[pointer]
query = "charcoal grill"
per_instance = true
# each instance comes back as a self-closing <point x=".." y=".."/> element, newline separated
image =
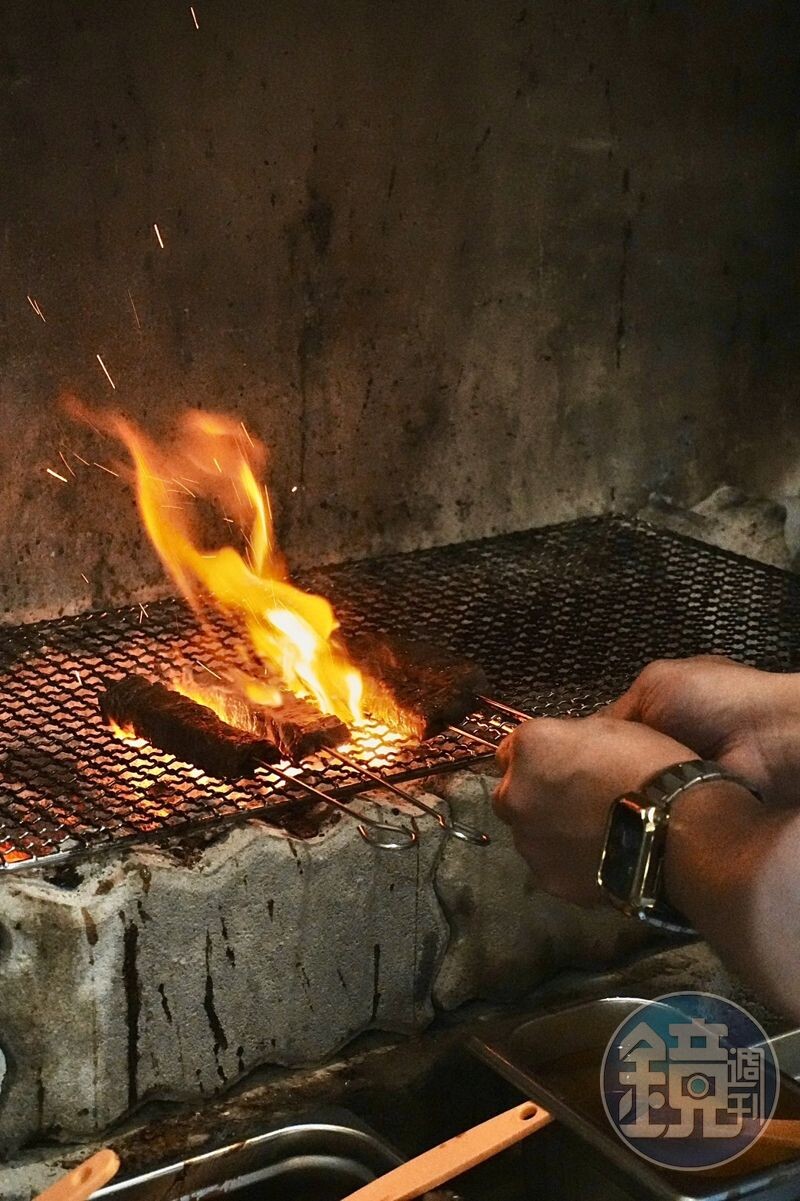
<point x="562" y="619"/>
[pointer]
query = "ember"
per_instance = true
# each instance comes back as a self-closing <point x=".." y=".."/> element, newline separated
<point x="134" y="707"/>
<point x="176" y="724"/>
<point x="296" y="727"/>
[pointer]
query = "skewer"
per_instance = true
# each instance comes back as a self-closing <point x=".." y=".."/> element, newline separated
<point x="475" y="737"/>
<point x="379" y="834"/>
<point x="453" y="829"/>
<point x="504" y="708"/>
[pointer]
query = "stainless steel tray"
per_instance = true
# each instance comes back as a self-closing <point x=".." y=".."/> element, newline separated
<point x="533" y="1056"/>
<point x="324" y="1158"/>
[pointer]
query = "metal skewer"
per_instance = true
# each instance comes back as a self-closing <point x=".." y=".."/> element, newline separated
<point x="379" y="834"/>
<point x="504" y="708"/>
<point x="475" y="737"/>
<point x="454" y="829"/>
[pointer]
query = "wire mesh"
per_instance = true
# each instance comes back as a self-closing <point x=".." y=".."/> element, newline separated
<point x="562" y="618"/>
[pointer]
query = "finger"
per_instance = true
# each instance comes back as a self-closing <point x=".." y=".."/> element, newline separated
<point x="504" y="751"/>
<point x="500" y="801"/>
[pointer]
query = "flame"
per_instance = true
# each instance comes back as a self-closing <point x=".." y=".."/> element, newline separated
<point x="214" y="460"/>
<point x="126" y="732"/>
<point x="222" y="700"/>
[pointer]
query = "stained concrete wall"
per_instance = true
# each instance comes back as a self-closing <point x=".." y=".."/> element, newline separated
<point x="467" y="267"/>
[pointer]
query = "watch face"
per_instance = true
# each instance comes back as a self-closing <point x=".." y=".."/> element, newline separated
<point x="623" y="850"/>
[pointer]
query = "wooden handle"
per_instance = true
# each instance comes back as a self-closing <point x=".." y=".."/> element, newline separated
<point x="455" y="1156"/>
<point x="84" y="1180"/>
<point x="783" y="1130"/>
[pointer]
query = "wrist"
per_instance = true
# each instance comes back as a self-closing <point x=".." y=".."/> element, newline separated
<point x="707" y="822"/>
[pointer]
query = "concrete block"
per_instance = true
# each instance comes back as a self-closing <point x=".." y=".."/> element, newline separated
<point x="152" y="978"/>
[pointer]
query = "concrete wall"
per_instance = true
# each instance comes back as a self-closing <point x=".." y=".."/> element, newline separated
<point x="466" y="267"/>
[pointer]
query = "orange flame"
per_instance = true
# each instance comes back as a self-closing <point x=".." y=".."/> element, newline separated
<point x="215" y="460"/>
<point x="125" y="732"/>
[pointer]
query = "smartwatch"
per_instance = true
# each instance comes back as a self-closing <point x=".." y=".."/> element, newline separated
<point x="631" y="871"/>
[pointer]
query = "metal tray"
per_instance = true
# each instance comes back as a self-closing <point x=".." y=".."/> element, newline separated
<point x="321" y="1159"/>
<point x="528" y="1056"/>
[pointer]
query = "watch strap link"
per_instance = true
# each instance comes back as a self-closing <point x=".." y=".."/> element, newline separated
<point x="644" y="896"/>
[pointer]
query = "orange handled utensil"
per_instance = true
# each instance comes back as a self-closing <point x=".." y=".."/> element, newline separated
<point x="457" y="1155"/>
<point x="87" y="1178"/>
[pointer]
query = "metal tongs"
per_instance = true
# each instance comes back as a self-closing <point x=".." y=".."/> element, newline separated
<point x="452" y="828"/>
<point x="381" y="834"/>
<point x="390" y="837"/>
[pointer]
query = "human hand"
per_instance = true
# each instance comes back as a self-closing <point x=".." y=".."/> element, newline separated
<point x="561" y="776"/>
<point x="744" y="719"/>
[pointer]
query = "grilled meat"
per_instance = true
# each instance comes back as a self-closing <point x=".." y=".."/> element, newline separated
<point x="185" y="729"/>
<point x="296" y="727"/>
<point x="414" y="687"/>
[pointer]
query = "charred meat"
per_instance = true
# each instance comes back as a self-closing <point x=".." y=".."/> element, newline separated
<point x="296" y="727"/>
<point x="414" y="687"/>
<point x="185" y="729"/>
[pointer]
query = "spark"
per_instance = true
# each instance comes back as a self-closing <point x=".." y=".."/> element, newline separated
<point x="244" y="431"/>
<point x="216" y="464"/>
<point x="108" y="469"/>
<point x="86" y="578"/>
<point x="64" y="461"/>
<point x="78" y="677"/>
<point x="158" y="235"/>
<point x="185" y="489"/>
<point x="80" y="458"/>
<point x="294" y="487"/>
<point x="142" y="612"/>
<point x="56" y="475"/>
<point x="105" y="369"/>
<point x="205" y="667"/>
<point x="136" y="315"/>
<point x="194" y="17"/>
<point x="37" y="310"/>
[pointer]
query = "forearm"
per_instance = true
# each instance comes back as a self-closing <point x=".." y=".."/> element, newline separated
<point x="733" y="868"/>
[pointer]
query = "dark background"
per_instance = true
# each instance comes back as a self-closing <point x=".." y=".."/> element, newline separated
<point x="466" y="267"/>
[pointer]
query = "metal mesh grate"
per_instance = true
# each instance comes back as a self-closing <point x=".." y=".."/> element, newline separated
<point x="562" y="618"/>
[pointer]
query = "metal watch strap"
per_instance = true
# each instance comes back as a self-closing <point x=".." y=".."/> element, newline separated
<point x="665" y="786"/>
<point x="653" y="802"/>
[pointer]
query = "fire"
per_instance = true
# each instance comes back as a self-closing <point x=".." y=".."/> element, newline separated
<point x="125" y="732"/>
<point x="215" y="462"/>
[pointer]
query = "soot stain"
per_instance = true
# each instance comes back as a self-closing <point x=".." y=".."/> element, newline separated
<point x="627" y="232"/>
<point x="318" y="221"/>
<point x="133" y="1005"/>
<point x="376" y="995"/>
<point x="220" y="1038"/>
<point x="91" y="927"/>
<point x="165" y="1003"/>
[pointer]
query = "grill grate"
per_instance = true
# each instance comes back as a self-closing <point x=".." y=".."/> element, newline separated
<point x="562" y="618"/>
